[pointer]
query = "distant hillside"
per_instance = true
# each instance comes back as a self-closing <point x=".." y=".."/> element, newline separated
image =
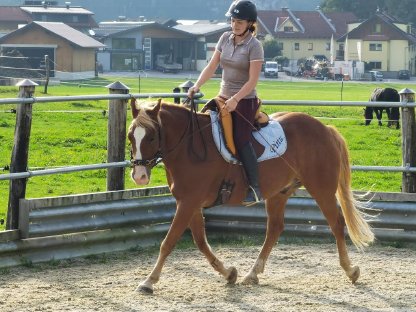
<point x="175" y="9"/>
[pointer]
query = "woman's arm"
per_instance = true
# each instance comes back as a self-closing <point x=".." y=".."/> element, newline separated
<point x="254" y="74"/>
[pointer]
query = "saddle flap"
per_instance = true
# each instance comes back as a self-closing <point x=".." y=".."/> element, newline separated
<point x="227" y="125"/>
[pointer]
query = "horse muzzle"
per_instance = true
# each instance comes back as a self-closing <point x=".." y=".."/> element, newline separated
<point x="140" y="175"/>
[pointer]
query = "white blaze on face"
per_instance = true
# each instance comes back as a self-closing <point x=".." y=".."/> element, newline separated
<point x="139" y="173"/>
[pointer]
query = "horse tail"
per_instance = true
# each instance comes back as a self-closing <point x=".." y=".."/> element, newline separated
<point x="359" y="230"/>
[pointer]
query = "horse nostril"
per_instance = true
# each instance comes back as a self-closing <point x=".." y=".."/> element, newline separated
<point x="143" y="177"/>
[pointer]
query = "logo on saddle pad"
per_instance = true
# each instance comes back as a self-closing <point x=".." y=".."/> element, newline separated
<point x="272" y="137"/>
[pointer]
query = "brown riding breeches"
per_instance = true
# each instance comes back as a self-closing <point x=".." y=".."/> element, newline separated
<point x="243" y="121"/>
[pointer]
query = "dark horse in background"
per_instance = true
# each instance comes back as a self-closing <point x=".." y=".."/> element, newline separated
<point x="393" y="113"/>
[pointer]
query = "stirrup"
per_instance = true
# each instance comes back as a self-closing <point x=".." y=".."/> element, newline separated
<point x="253" y="196"/>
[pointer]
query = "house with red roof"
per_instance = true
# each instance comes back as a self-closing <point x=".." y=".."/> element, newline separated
<point x="383" y="43"/>
<point x="304" y="34"/>
<point x="380" y="42"/>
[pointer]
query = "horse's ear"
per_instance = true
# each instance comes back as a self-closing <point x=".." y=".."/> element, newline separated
<point x="134" y="110"/>
<point x="156" y="108"/>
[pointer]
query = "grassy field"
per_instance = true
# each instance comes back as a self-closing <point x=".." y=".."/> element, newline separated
<point x="75" y="133"/>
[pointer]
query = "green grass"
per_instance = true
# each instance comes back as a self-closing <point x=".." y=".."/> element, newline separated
<point x="63" y="138"/>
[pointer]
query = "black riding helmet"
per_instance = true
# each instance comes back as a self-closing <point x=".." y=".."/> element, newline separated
<point x="244" y="10"/>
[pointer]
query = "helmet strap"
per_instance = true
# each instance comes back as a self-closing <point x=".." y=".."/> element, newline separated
<point x="244" y="32"/>
<point x="241" y="35"/>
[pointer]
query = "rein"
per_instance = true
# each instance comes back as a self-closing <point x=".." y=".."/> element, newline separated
<point x="194" y="120"/>
<point x="158" y="157"/>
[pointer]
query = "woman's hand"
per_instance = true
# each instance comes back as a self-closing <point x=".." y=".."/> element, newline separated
<point x="231" y="104"/>
<point x="192" y="90"/>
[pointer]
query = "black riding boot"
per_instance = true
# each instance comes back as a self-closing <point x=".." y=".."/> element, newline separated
<point x="249" y="159"/>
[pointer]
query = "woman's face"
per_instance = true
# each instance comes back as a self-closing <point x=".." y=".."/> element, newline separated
<point x="239" y="26"/>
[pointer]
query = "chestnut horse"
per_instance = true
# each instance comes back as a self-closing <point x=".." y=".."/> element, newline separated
<point x="316" y="157"/>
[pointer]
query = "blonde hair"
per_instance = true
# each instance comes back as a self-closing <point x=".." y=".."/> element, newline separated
<point x="253" y="28"/>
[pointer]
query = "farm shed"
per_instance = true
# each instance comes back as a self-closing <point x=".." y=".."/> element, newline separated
<point x="72" y="53"/>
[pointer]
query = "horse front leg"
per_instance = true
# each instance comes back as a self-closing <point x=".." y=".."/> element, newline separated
<point x="183" y="215"/>
<point x="275" y="224"/>
<point x="197" y="227"/>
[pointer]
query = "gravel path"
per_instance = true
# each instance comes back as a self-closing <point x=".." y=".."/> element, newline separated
<point x="297" y="278"/>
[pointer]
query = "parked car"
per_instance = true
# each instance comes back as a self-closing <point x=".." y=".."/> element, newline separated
<point x="376" y="75"/>
<point x="271" y="69"/>
<point x="403" y="74"/>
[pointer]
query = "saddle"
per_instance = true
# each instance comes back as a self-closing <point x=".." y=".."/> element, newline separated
<point x="261" y="119"/>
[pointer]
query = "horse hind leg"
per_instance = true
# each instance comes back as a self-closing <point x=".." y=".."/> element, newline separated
<point x="328" y="206"/>
<point x="379" y="115"/>
<point x="197" y="226"/>
<point x="275" y="225"/>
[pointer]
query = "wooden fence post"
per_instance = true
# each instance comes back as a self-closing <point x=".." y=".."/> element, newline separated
<point x="20" y="153"/>
<point x="116" y="137"/>
<point x="408" y="140"/>
<point x="47" y="73"/>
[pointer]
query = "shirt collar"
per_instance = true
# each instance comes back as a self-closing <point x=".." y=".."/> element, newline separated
<point x="245" y="41"/>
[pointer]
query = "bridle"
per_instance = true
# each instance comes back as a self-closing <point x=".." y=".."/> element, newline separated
<point x="157" y="157"/>
<point x="149" y="163"/>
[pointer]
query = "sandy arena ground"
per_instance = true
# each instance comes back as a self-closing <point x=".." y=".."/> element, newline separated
<point x="297" y="278"/>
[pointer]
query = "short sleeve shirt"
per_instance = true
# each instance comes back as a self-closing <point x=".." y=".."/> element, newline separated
<point x="235" y="62"/>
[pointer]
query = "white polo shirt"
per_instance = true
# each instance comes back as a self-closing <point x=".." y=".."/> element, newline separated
<point x="235" y="62"/>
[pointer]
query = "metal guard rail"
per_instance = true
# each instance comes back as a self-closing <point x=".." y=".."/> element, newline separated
<point x="127" y="163"/>
<point x="79" y="225"/>
<point x="198" y="96"/>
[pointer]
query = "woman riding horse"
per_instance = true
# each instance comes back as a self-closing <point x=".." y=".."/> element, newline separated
<point x="316" y="157"/>
<point x="241" y="56"/>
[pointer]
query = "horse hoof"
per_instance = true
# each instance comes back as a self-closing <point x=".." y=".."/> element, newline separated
<point x="232" y="276"/>
<point x="250" y="280"/>
<point x="354" y="274"/>
<point x="145" y="289"/>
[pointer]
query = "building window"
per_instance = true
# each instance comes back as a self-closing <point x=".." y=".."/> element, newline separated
<point x="310" y="46"/>
<point x="126" y="61"/>
<point x="377" y="28"/>
<point x="374" y="65"/>
<point x="376" y="47"/>
<point x="124" y="43"/>
<point x="297" y="46"/>
<point x="288" y="29"/>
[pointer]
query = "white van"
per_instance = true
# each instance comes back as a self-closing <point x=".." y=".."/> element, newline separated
<point x="271" y="69"/>
<point x="376" y="75"/>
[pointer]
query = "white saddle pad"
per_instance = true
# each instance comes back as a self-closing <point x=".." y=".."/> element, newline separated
<point x="272" y="137"/>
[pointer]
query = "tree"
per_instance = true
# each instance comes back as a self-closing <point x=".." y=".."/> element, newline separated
<point x="271" y="47"/>
<point x="362" y="9"/>
<point x="402" y="10"/>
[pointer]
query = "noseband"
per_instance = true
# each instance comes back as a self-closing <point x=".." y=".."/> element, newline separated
<point x="150" y="163"/>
